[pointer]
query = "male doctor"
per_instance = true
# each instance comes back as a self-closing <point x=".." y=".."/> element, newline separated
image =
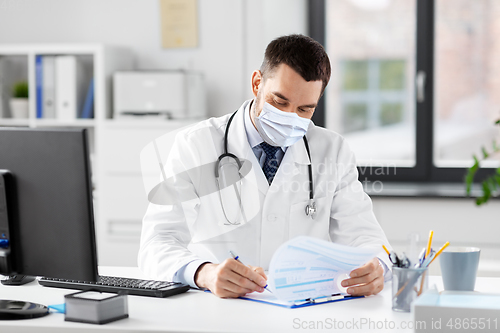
<point x="189" y="240"/>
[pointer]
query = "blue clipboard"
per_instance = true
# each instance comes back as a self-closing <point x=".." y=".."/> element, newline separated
<point x="268" y="298"/>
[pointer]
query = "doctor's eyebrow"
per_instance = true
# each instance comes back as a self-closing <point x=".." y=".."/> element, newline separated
<point x="277" y="94"/>
<point x="280" y="96"/>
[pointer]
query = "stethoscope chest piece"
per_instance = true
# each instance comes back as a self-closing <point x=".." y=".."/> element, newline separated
<point x="311" y="209"/>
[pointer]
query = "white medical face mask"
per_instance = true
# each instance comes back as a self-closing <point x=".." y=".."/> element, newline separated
<point x="278" y="128"/>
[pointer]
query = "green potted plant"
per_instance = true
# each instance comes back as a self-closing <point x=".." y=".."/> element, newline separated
<point x="19" y="106"/>
<point x="490" y="185"/>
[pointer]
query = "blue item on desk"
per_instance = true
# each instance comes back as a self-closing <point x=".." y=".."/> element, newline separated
<point x="59" y="308"/>
<point x="269" y="298"/>
<point x="300" y="304"/>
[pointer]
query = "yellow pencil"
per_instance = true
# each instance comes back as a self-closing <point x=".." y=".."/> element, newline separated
<point x="388" y="253"/>
<point x="439" y="252"/>
<point x="429" y="244"/>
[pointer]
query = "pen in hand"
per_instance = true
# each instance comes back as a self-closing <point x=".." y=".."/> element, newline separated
<point x="237" y="258"/>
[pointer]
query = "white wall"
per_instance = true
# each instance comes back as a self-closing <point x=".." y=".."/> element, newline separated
<point x="232" y="35"/>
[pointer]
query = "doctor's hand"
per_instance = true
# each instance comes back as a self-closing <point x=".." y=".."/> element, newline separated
<point x="230" y="279"/>
<point x="366" y="280"/>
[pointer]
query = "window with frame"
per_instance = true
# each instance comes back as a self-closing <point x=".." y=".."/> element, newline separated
<point x="373" y="94"/>
<point x="414" y="83"/>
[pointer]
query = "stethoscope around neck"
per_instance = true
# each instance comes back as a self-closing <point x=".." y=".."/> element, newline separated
<point x="310" y="209"/>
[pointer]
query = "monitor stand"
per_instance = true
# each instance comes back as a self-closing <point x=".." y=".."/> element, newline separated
<point x="14" y="310"/>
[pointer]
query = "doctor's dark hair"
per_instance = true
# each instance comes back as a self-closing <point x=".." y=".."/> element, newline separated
<point x="303" y="54"/>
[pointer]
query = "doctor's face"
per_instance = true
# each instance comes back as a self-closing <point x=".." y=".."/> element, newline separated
<point x="286" y="90"/>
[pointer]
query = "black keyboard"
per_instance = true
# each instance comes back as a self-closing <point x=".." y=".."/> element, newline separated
<point x="113" y="284"/>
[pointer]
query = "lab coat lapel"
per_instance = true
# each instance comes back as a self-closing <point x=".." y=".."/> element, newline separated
<point x="299" y="153"/>
<point x="295" y="156"/>
<point x="238" y="144"/>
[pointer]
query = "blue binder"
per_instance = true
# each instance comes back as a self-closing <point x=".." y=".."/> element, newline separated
<point x="39" y="86"/>
<point x="88" y="105"/>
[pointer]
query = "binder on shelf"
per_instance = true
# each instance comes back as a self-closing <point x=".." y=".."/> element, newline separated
<point x="49" y="87"/>
<point x="39" y="86"/>
<point x="88" y="106"/>
<point x="3" y="92"/>
<point x="69" y="86"/>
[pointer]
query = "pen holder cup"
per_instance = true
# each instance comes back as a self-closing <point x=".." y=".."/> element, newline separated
<point x="407" y="285"/>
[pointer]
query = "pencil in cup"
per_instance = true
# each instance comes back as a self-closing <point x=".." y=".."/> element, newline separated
<point x="405" y="290"/>
<point x="440" y="251"/>
<point x="429" y="243"/>
<point x="386" y="250"/>
<point x="435" y="256"/>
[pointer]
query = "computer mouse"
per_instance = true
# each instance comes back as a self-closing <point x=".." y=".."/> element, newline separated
<point x="18" y="280"/>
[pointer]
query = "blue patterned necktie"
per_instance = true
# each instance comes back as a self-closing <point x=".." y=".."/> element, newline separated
<point x="271" y="163"/>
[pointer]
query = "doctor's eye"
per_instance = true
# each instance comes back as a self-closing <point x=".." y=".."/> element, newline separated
<point x="305" y="110"/>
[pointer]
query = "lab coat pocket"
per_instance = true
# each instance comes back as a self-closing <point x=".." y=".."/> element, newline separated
<point x="300" y="224"/>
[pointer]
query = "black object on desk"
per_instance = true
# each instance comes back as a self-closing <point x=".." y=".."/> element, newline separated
<point x="128" y="286"/>
<point x="18" y="280"/>
<point x="14" y="310"/>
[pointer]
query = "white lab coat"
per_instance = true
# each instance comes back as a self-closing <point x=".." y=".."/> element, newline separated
<point x="194" y="228"/>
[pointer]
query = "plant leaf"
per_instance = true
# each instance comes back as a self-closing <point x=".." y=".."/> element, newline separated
<point x="495" y="146"/>
<point x="471" y="172"/>
<point x="486" y="192"/>
<point x="497" y="178"/>
<point x="497" y="122"/>
<point x="492" y="183"/>
<point x="485" y="153"/>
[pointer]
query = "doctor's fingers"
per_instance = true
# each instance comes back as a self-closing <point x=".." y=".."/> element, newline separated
<point x="227" y="289"/>
<point x="367" y="268"/>
<point x="240" y="281"/>
<point x="245" y="271"/>
<point x="370" y="276"/>
<point x="368" y="289"/>
<point x="259" y="270"/>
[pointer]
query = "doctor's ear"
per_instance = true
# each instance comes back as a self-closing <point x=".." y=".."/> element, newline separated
<point x="257" y="81"/>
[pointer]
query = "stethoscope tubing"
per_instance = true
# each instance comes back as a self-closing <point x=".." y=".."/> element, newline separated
<point x="310" y="208"/>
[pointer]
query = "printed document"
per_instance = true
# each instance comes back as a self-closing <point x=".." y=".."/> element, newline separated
<point x="308" y="268"/>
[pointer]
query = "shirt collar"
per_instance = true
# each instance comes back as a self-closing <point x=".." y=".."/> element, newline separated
<point x="253" y="136"/>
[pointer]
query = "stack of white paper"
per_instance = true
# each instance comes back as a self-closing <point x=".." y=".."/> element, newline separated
<point x="307" y="268"/>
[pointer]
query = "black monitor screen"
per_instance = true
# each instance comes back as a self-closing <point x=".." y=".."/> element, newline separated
<point x="53" y="202"/>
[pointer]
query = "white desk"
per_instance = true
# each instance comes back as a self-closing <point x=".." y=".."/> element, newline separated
<point x="196" y="311"/>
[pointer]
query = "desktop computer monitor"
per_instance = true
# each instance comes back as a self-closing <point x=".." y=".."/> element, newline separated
<point x="46" y="212"/>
